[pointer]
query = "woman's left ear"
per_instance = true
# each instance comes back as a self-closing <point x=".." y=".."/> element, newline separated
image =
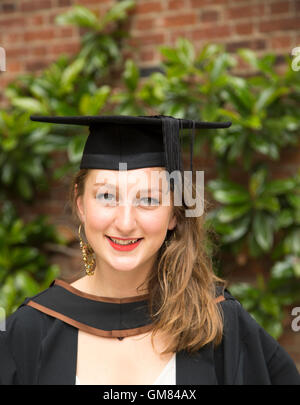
<point x="172" y="223"/>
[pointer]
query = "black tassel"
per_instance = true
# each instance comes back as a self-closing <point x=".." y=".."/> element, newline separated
<point x="170" y="130"/>
<point x="172" y="147"/>
<point x="192" y="139"/>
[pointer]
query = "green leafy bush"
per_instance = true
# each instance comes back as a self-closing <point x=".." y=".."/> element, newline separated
<point x="24" y="268"/>
<point x="257" y="214"/>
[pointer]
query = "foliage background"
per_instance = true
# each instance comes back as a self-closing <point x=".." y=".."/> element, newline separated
<point x="255" y="215"/>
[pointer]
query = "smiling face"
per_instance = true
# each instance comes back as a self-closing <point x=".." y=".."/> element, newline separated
<point x="133" y="206"/>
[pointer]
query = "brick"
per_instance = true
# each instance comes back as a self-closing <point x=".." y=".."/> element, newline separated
<point x="9" y="23"/>
<point x="180" y="34"/>
<point x="145" y="23"/>
<point x="64" y="32"/>
<point x="89" y="2"/>
<point x="142" y="40"/>
<point x="176" y="4"/>
<point x="179" y="20"/>
<point x="280" y="7"/>
<point x="283" y="24"/>
<point x="8" y="7"/>
<point x="282" y="41"/>
<point x="149" y="7"/>
<point x="14" y="37"/>
<point x="212" y="32"/>
<point x="13" y="67"/>
<point x="200" y="3"/>
<point x="256" y="44"/>
<point x="12" y="53"/>
<point x="63" y="3"/>
<point x="36" y="65"/>
<point x="210" y="15"/>
<point x="244" y="28"/>
<point x="147" y="55"/>
<point x="39" y="51"/>
<point x="59" y="48"/>
<point x="39" y="35"/>
<point x="35" y="5"/>
<point x="255" y="10"/>
<point x="35" y="20"/>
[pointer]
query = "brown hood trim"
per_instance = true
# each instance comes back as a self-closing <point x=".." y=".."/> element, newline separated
<point x="136" y="298"/>
<point x="96" y="331"/>
<point x="90" y="329"/>
<point x="80" y="293"/>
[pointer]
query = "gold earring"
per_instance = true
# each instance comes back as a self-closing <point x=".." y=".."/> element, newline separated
<point x="87" y="251"/>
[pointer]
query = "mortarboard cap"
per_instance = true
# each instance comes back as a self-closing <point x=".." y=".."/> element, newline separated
<point x="140" y="141"/>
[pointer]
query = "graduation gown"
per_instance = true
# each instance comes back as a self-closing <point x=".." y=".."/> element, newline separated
<point x="39" y="345"/>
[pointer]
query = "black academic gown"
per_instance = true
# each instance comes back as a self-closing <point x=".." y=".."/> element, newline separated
<point x="39" y="345"/>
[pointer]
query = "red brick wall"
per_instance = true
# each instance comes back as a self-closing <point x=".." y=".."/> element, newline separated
<point x="32" y="40"/>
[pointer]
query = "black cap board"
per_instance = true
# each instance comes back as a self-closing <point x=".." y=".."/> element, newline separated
<point x="140" y="141"/>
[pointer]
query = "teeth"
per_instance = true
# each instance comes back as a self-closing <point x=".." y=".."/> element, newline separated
<point x="124" y="242"/>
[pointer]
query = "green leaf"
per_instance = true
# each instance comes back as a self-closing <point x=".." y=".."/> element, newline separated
<point x="230" y="213"/>
<point x="170" y="54"/>
<point x="257" y="181"/>
<point x="264" y="146"/>
<point x="24" y="187"/>
<point x="282" y="270"/>
<point x="92" y="104"/>
<point x="75" y="148"/>
<point x="267" y="202"/>
<point x="219" y="66"/>
<point x="79" y="16"/>
<point x="228" y="192"/>
<point x="7" y="174"/>
<point x="26" y="283"/>
<point x="274" y="328"/>
<point x="117" y="12"/>
<point x="292" y="242"/>
<point x="71" y="73"/>
<point x="131" y="75"/>
<point x="294" y="200"/>
<point x="237" y="230"/>
<point x="284" y="218"/>
<point x="279" y="186"/>
<point x="249" y="56"/>
<point x="28" y="104"/>
<point x="263" y="229"/>
<point x="268" y="96"/>
<point x="186" y="51"/>
<point x="254" y="249"/>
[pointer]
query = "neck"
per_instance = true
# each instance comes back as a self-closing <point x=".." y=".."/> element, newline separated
<point x="109" y="282"/>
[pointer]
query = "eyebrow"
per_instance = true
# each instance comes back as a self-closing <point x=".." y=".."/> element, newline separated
<point x="113" y="185"/>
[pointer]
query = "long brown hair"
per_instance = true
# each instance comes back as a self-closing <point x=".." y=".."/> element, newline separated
<point x="182" y="286"/>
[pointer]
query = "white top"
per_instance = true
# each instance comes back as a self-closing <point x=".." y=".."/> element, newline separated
<point x="166" y="377"/>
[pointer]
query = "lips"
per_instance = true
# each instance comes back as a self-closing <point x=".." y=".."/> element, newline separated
<point x="128" y="247"/>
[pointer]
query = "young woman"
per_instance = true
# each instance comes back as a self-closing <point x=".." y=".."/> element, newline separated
<point x="150" y="309"/>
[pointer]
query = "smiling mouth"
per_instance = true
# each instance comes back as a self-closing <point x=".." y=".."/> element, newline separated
<point x="124" y="242"/>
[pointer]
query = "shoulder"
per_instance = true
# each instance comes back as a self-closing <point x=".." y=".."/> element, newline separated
<point x="26" y="321"/>
<point x="257" y="356"/>
<point x="238" y="321"/>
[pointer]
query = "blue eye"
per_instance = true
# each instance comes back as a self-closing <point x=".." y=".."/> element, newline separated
<point x="102" y="194"/>
<point x="154" y="201"/>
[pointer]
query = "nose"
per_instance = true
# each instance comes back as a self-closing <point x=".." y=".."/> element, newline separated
<point x="125" y="219"/>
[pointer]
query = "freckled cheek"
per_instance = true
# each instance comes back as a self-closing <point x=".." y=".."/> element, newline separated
<point x="98" y="219"/>
<point x="154" y="223"/>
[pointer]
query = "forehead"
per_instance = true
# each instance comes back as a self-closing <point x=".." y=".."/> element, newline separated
<point x="149" y="176"/>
